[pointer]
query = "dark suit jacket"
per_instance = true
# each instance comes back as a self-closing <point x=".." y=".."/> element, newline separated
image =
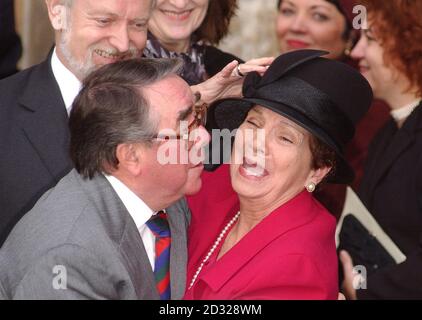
<point x="392" y="191"/>
<point x="10" y="48"/>
<point x="34" y="138"/>
<point x="81" y="231"/>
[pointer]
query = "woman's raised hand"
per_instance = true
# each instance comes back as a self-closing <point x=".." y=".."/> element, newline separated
<point x="228" y="82"/>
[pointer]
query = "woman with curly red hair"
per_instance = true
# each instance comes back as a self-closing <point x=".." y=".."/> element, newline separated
<point x="390" y="57"/>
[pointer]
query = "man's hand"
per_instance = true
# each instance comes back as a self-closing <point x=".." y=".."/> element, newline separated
<point x="347" y="285"/>
<point x="228" y="83"/>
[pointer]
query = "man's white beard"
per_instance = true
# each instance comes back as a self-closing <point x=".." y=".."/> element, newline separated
<point x="80" y="69"/>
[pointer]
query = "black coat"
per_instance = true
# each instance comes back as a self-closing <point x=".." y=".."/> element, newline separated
<point x="392" y="191"/>
<point x="34" y="139"/>
<point x="215" y="60"/>
<point x="10" y="46"/>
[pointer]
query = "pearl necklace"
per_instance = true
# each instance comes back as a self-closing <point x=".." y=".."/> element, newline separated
<point x="215" y="245"/>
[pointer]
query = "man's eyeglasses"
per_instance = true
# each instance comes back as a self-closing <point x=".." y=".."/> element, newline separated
<point x="200" y="119"/>
<point x="200" y="109"/>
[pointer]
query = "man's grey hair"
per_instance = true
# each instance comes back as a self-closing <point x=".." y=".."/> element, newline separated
<point x="111" y="109"/>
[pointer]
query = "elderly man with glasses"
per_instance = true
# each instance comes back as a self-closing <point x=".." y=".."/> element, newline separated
<point x="115" y="226"/>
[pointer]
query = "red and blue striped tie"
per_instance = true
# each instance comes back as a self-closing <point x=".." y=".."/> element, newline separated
<point x="159" y="226"/>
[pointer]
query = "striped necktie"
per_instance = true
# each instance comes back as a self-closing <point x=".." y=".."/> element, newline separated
<point x="159" y="226"/>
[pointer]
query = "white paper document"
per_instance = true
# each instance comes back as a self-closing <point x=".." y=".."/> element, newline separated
<point x="353" y="205"/>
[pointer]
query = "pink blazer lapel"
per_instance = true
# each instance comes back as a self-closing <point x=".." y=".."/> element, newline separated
<point x="295" y="213"/>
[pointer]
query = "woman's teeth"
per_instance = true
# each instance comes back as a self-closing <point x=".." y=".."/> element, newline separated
<point x="254" y="172"/>
<point x="177" y="14"/>
<point x="253" y="169"/>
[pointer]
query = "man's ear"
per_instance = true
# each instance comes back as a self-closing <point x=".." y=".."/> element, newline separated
<point x="129" y="156"/>
<point x="57" y="13"/>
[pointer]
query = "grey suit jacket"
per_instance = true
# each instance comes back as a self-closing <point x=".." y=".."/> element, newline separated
<point x="79" y="242"/>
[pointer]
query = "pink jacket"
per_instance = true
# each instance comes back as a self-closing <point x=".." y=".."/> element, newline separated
<point x="291" y="254"/>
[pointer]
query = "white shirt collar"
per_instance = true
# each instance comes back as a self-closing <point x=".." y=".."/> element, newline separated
<point x="68" y="83"/>
<point x="405" y="111"/>
<point x="137" y="208"/>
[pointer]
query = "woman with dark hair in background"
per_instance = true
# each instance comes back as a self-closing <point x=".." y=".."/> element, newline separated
<point x="328" y="25"/>
<point x="316" y="24"/>
<point x="10" y="48"/>
<point x="390" y="57"/>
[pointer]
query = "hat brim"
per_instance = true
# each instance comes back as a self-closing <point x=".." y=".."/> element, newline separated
<point x="230" y="114"/>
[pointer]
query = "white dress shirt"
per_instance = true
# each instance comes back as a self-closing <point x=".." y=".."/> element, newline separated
<point x="68" y="83"/>
<point x="139" y="212"/>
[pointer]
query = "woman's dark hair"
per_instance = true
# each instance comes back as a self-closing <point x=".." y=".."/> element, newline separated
<point x="322" y="155"/>
<point x="111" y="109"/>
<point x="217" y="20"/>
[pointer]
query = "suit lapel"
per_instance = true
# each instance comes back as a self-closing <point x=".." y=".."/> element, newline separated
<point x="393" y="146"/>
<point x="137" y="263"/>
<point x="44" y="120"/>
<point x="124" y="233"/>
<point x="296" y="212"/>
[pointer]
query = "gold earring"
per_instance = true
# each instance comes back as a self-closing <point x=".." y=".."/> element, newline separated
<point x="349" y="48"/>
<point x="347" y="52"/>
<point x="311" y="187"/>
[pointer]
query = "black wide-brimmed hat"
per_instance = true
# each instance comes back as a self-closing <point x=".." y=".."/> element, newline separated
<point x="324" y="96"/>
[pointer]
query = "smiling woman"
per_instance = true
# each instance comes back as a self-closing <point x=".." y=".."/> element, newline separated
<point x="189" y="30"/>
<point x="256" y="231"/>
<point x="175" y="23"/>
<point x="313" y="24"/>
